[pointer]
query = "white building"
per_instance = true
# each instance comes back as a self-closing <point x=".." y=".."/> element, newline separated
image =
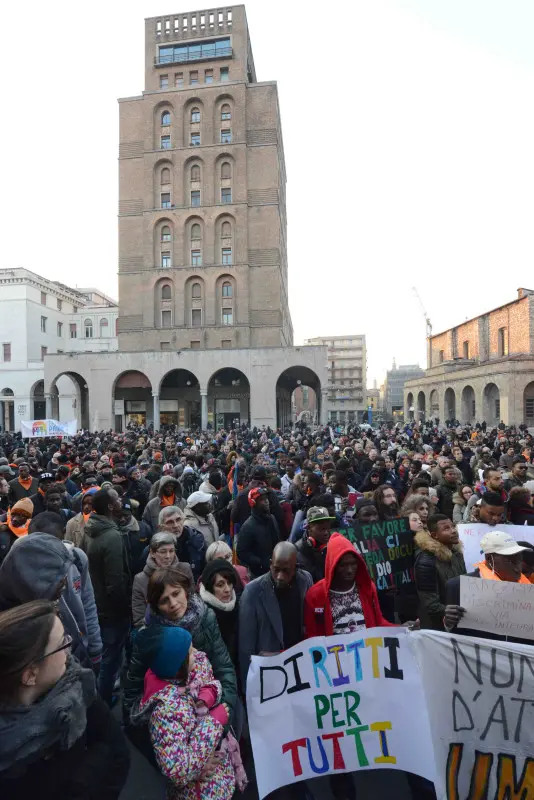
<point x="347" y="376"/>
<point x="39" y="317"/>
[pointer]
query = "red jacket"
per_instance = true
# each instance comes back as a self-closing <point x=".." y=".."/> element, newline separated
<point x="317" y="611"/>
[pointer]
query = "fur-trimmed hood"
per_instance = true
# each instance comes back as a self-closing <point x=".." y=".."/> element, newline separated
<point x="458" y="499"/>
<point x="424" y="541"/>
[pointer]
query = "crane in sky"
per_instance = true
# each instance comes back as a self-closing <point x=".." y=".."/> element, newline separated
<point x="425" y="315"/>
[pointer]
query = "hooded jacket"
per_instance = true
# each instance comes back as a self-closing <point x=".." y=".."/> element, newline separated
<point x="154" y="506"/>
<point x="435" y="564"/>
<point x="108" y="565"/>
<point x="204" y="525"/>
<point x="33" y="570"/>
<point x="318" y="619"/>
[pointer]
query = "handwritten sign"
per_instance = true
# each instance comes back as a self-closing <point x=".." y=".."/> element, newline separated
<point x="497" y="606"/>
<point x="338" y="704"/>
<point x="480" y="700"/>
<point x="387" y="548"/>
<point x="471" y="533"/>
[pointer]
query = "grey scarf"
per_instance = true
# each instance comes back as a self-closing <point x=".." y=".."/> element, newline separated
<point x="53" y="723"/>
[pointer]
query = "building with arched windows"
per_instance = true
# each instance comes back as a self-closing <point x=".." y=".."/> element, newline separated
<point x="204" y="329"/>
<point x="481" y="369"/>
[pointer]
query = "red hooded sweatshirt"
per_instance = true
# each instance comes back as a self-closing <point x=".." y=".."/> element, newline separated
<point x="317" y="611"/>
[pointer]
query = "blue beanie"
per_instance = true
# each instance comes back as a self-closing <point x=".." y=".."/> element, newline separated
<point x="172" y="652"/>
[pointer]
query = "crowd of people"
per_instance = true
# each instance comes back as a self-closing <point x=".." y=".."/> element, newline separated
<point x="145" y="569"/>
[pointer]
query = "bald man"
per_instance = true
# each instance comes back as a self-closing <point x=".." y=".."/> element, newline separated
<point x="271" y="617"/>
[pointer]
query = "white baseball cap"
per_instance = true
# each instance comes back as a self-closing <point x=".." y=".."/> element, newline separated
<point x="500" y="543"/>
<point x="203" y="497"/>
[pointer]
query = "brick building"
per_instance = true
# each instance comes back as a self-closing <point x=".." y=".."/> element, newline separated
<point x="204" y="327"/>
<point x="482" y="369"/>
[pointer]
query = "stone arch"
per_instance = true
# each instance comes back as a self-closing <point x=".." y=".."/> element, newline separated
<point x="450" y="404"/>
<point x="37" y="400"/>
<point x="228" y="398"/>
<point x="421" y="407"/>
<point x="434" y="404"/>
<point x="223" y="241"/>
<point x="190" y="127"/>
<point x="491" y="400"/>
<point x="410" y="407"/>
<point x="7" y="409"/>
<point x="133" y="391"/>
<point x="194" y="303"/>
<point x="164" y="303"/>
<point x="71" y="400"/>
<point x="224" y="179"/>
<point x="163" y="239"/>
<point x="528" y="404"/>
<point x="193" y="226"/>
<point x="159" y="127"/>
<point x="161" y="189"/>
<point x="225" y="298"/>
<point x="288" y="381"/>
<point x="179" y="393"/>
<point x="190" y="185"/>
<point x="468" y="405"/>
<point x="219" y="124"/>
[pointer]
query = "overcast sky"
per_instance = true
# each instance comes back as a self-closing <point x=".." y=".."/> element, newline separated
<point x="408" y="129"/>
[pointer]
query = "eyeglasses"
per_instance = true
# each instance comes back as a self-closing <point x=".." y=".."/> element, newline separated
<point x="66" y="642"/>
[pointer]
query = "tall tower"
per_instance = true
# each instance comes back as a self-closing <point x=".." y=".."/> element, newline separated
<point x="202" y="216"/>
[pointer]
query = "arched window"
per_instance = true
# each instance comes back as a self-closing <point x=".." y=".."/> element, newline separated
<point x="88" y="326"/>
<point x="196" y="291"/>
<point x="226" y="112"/>
<point x="165" y="175"/>
<point x="195" y="231"/>
<point x="226" y="170"/>
<point x="226" y="230"/>
<point x="195" y="172"/>
<point x="227" y="289"/>
<point x="165" y="234"/>
<point x="104" y="325"/>
<point x="195" y="115"/>
<point x="165" y="118"/>
<point x="166" y="292"/>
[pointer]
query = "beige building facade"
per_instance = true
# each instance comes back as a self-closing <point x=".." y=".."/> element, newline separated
<point x="347" y="376"/>
<point x="204" y="329"/>
<point x="482" y="369"/>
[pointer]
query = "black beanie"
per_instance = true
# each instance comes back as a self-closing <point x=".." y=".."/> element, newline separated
<point x="217" y="566"/>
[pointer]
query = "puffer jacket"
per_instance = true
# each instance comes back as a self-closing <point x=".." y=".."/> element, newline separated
<point x="183" y="741"/>
<point x="154" y="506"/>
<point x="435" y="564"/>
<point x="205" y="525"/>
<point x="202" y="625"/>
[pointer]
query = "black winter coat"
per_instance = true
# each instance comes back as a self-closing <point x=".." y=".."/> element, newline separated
<point x="435" y="564"/>
<point x="96" y="766"/>
<point x="311" y="558"/>
<point x="446" y="492"/>
<point x="256" y="541"/>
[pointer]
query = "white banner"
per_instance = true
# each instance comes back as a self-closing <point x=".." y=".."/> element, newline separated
<point x="338" y="704"/>
<point x="480" y="700"/>
<point x="47" y="427"/>
<point x="471" y="533"/>
<point x="500" y="607"/>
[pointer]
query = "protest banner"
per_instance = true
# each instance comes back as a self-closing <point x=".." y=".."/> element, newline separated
<point x="387" y="548"/>
<point x="480" y="700"/>
<point x="471" y="533"/>
<point x="499" y="607"/>
<point x="47" y="427"/>
<point x="338" y="704"/>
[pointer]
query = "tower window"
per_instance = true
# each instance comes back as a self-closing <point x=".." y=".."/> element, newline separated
<point x="165" y="200"/>
<point x="166" y="292"/>
<point x="226" y="171"/>
<point x="165" y="234"/>
<point x="165" y="259"/>
<point x="193" y="77"/>
<point x="226" y="112"/>
<point x="226" y="195"/>
<point x="196" y="291"/>
<point x="43" y="324"/>
<point x="195" y="139"/>
<point x="195" y="198"/>
<point x="165" y="142"/>
<point x="227" y="316"/>
<point x="195" y="231"/>
<point x="165" y="175"/>
<point x="225" y="74"/>
<point x="227" y="259"/>
<point x="208" y="76"/>
<point x="196" y="317"/>
<point x="196" y="258"/>
<point x="166" y="319"/>
<point x="178" y="79"/>
<point x="88" y="326"/>
<point x="227" y="289"/>
<point x="226" y="136"/>
<point x="195" y="115"/>
<point x="163" y="81"/>
<point x="226" y="230"/>
<point x="195" y="172"/>
<point x="166" y="118"/>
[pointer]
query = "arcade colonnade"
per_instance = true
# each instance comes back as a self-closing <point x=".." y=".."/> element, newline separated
<point x="219" y="388"/>
<point x="505" y="394"/>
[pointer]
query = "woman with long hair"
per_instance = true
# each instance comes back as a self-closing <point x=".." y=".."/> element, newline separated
<point x="57" y="737"/>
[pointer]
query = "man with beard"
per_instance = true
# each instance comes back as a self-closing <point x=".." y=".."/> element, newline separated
<point x="259" y="535"/>
<point x="386" y="502"/>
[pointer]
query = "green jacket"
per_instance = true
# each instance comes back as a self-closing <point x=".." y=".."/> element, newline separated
<point x="108" y="567"/>
<point x="206" y="637"/>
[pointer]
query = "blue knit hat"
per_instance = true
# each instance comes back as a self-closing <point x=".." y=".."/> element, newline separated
<point x="172" y="651"/>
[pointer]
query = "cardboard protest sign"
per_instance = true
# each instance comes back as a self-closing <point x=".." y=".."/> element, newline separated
<point x="480" y="699"/>
<point x="387" y="548"/>
<point x="338" y="704"/>
<point x="471" y="533"/>
<point x="499" y="607"/>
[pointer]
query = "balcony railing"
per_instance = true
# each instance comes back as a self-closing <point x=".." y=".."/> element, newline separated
<point x="206" y="54"/>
